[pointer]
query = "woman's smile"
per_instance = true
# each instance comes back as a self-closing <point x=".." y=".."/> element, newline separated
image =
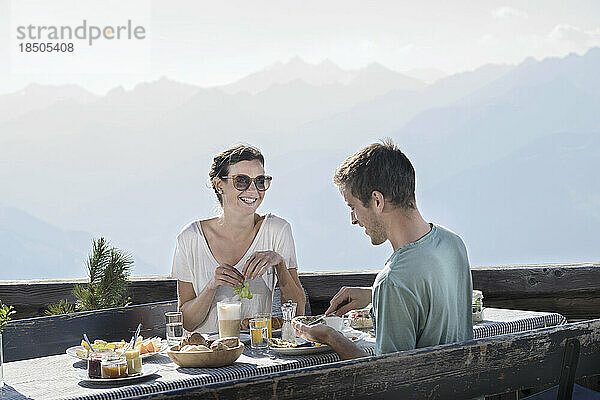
<point x="248" y="200"/>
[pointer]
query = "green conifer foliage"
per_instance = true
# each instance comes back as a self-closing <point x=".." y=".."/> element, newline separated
<point x="109" y="270"/>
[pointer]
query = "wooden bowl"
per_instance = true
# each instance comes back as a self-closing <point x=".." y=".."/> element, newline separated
<point x="205" y="359"/>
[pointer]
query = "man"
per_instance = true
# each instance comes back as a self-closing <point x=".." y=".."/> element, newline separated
<point x="422" y="297"/>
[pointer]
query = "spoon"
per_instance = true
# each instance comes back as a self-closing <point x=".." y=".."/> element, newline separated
<point x="131" y="343"/>
<point x="88" y="343"/>
<point x="137" y="333"/>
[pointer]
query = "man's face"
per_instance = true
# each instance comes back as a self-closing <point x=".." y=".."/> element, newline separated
<point x="365" y="217"/>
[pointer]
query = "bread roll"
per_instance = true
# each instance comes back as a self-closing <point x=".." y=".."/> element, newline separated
<point x="193" y="338"/>
<point x="230" y="342"/>
<point x="218" y="346"/>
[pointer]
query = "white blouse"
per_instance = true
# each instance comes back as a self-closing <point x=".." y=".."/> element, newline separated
<point x="193" y="262"/>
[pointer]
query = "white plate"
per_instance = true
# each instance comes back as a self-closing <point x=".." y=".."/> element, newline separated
<point x="72" y="351"/>
<point x="147" y="370"/>
<point x="298" y="351"/>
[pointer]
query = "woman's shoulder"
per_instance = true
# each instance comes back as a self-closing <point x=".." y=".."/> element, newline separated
<point x="193" y="229"/>
<point x="275" y="223"/>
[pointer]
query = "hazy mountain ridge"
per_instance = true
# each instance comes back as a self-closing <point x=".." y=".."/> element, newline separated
<point x="32" y="248"/>
<point x="471" y="131"/>
<point x="384" y="115"/>
<point x="500" y="207"/>
<point x="37" y="97"/>
<point x="325" y="73"/>
<point x="133" y="165"/>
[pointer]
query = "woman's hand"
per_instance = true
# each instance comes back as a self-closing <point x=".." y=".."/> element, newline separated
<point x="226" y="275"/>
<point x="259" y="262"/>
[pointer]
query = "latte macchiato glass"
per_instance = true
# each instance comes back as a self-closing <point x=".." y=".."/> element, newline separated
<point x="229" y="314"/>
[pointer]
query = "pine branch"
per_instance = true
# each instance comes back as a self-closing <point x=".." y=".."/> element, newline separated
<point x="60" y="308"/>
<point x="109" y="271"/>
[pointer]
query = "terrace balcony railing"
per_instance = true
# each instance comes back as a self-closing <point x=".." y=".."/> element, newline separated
<point x="572" y="290"/>
<point x="501" y="367"/>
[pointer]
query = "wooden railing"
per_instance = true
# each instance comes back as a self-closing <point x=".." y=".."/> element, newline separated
<point x="504" y="366"/>
<point x="572" y="290"/>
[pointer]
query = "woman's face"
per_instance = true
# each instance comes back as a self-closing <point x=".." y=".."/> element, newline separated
<point x="247" y="201"/>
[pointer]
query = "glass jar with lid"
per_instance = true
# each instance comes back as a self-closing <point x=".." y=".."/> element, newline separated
<point x="134" y="362"/>
<point x="114" y="366"/>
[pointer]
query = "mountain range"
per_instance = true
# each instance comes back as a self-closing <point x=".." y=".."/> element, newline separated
<point x="492" y="148"/>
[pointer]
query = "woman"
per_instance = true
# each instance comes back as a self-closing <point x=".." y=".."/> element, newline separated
<point x="216" y="255"/>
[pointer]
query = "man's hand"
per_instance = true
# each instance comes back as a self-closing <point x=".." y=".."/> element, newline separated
<point x="319" y="333"/>
<point x="226" y="275"/>
<point x="324" y="334"/>
<point x="259" y="262"/>
<point x="349" y="298"/>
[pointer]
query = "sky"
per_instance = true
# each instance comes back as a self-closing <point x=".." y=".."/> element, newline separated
<point x="213" y="43"/>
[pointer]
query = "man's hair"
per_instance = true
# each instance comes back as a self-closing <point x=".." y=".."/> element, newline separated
<point x="223" y="160"/>
<point x="381" y="167"/>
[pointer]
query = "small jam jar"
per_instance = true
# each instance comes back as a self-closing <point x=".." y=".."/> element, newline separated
<point x="114" y="367"/>
<point x="134" y="362"/>
<point x="95" y="365"/>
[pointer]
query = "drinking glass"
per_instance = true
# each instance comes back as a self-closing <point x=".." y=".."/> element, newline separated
<point x="229" y="314"/>
<point x="267" y="316"/>
<point x="174" y="327"/>
<point x="258" y="333"/>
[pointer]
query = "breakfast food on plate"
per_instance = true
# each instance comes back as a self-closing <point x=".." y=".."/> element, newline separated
<point x="145" y="346"/>
<point x="85" y="352"/>
<point x="307" y="319"/>
<point x="284" y="344"/>
<point x="360" y="319"/>
<point x="274" y="342"/>
<point x="276" y="323"/>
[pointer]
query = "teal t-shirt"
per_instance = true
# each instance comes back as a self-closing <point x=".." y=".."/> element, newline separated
<point x="423" y="295"/>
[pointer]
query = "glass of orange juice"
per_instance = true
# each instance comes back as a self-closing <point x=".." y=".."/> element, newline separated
<point x="267" y="316"/>
<point x="258" y="333"/>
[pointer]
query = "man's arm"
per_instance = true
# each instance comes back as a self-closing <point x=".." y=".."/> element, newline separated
<point x="327" y="335"/>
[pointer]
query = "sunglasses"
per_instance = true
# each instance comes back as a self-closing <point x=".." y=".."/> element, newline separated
<point x="242" y="182"/>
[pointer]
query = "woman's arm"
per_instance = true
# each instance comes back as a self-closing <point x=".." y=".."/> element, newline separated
<point x="289" y="283"/>
<point x="290" y="287"/>
<point x="196" y="308"/>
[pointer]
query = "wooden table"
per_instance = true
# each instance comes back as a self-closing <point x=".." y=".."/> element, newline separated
<point x="54" y="377"/>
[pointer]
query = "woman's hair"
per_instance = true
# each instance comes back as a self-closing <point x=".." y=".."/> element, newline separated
<point x="222" y="161"/>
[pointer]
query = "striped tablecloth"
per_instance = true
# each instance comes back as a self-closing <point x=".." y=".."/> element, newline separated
<point x="499" y="321"/>
<point x="54" y="377"/>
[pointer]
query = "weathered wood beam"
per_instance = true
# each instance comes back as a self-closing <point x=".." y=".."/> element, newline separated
<point x="570" y="289"/>
<point x="43" y="336"/>
<point x="537" y="279"/>
<point x="31" y="297"/>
